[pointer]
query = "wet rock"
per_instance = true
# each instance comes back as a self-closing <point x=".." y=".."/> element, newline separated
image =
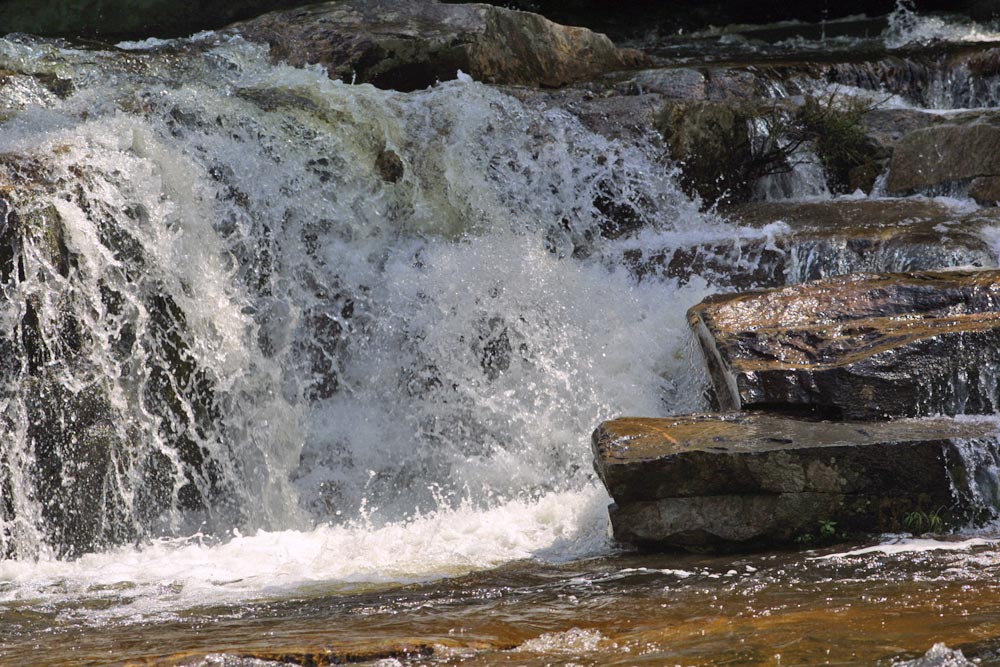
<point x="946" y="156"/>
<point x="601" y="106"/>
<point x="711" y="141"/>
<point x="887" y="127"/>
<point x="749" y="481"/>
<point x="389" y="166"/>
<point x="91" y="422"/>
<point x="828" y="238"/>
<point x="860" y="346"/>
<point x="343" y="653"/>
<point x="626" y="120"/>
<point x="78" y="444"/>
<point x="909" y="76"/>
<point x="792" y="242"/>
<point x="412" y="44"/>
<point x="985" y="190"/>
<point x="681" y="83"/>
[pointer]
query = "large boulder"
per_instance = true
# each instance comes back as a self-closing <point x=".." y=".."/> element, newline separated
<point x="732" y="481"/>
<point x="411" y="44"/>
<point x="949" y="157"/>
<point x="860" y="346"/>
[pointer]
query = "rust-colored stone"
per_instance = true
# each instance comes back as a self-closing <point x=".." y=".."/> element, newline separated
<point x="860" y="346"/>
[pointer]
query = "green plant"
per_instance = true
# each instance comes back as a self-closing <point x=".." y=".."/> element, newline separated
<point x="826" y="533"/>
<point x="834" y="126"/>
<point x="725" y="147"/>
<point x="805" y="540"/>
<point x="924" y="522"/>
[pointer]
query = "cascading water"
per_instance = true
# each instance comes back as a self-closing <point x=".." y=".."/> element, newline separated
<point x="255" y="299"/>
<point x="273" y="345"/>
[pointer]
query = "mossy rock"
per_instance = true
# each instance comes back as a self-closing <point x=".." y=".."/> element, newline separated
<point x="711" y="143"/>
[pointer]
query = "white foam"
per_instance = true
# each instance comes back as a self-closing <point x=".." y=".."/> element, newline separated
<point x="907" y="28"/>
<point x="170" y="575"/>
<point x="913" y="545"/>
<point x="575" y="641"/>
<point x="938" y="655"/>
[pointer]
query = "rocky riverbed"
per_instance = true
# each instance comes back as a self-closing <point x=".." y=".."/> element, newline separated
<point x="308" y="319"/>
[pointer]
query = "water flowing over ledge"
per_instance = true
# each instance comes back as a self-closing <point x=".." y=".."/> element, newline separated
<point x="274" y="340"/>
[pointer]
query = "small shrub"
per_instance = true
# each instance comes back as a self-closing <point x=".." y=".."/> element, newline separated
<point x="724" y="148"/>
<point x="827" y="530"/>
<point x="834" y="126"/>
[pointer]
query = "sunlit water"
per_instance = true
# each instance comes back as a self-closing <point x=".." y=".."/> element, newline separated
<point x="413" y="360"/>
<point x="400" y="316"/>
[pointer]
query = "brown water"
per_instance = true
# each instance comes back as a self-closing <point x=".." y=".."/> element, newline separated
<point x="628" y="609"/>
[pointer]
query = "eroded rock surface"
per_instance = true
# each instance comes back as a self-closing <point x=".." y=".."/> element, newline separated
<point x="792" y="242"/>
<point x="739" y="481"/>
<point x="861" y="346"/>
<point x="412" y="44"/>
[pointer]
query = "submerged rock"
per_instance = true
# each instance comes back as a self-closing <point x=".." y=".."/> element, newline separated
<point x="731" y="481"/>
<point x="861" y="346"/>
<point x="85" y="416"/>
<point x="412" y="44"/>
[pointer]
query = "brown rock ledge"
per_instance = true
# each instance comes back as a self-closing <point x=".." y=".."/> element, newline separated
<point x="411" y="44"/>
<point x="862" y="346"/>
<point x="745" y="481"/>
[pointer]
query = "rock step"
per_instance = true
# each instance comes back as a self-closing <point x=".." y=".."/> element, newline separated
<point x="743" y="481"/>
<point x="859" y="346"/>
<point x="812" y="240"/>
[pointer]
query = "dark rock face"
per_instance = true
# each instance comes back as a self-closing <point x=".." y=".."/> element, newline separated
<point x="861" y="346"/>
<point x="411" y="44"/>
<point x="729" y="482"/>
<point x="117" y="19"/>
<point x="76" y="443"/>
<point x="63" y="411"/>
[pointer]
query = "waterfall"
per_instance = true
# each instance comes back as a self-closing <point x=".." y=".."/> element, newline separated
<point x="974" y="478"/>
<point x="241" y="296"/>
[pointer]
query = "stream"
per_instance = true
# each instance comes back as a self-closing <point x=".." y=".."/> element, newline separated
<point x="329" y="358"/>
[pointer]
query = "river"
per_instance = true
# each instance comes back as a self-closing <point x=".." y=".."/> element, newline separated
<point x="347" y="347"/>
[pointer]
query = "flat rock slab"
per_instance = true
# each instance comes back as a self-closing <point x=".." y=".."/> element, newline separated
<point x="861" y="346"/>
<point x="804" y="241"/>
<point x="742" y="481"/>
<point x="411" y="44"/>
